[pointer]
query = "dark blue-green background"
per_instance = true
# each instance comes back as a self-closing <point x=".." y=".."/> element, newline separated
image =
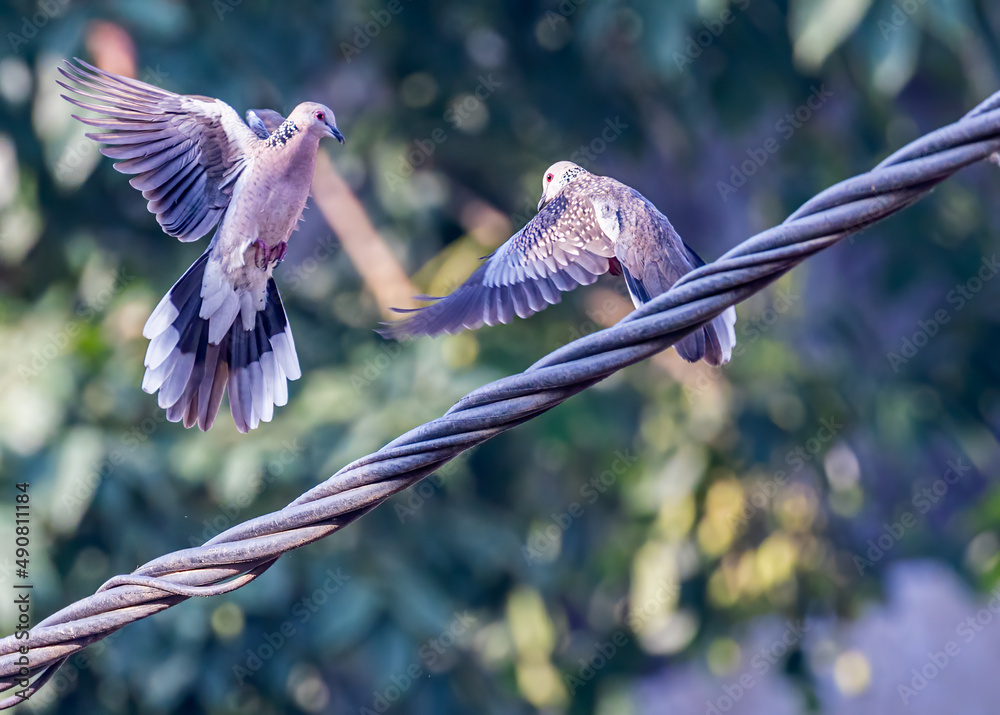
<point x="676" y="539"/>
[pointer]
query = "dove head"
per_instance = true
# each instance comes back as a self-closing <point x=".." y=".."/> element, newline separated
<point x="317" y="120"/>
<point x="555" y="179"/>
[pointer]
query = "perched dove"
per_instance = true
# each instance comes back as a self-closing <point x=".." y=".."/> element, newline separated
<point x="198" y="165"/>
<point x="586" y="225"/>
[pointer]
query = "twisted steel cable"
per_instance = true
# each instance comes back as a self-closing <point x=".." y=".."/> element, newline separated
<point x="240" y="554"/>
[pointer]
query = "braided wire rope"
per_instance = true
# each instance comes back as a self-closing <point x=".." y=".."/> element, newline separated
<point x="242" y="553"/>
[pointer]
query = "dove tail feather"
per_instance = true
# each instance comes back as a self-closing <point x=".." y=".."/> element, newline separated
<point x="714" y="343"/>
<point x="191" y="360"/>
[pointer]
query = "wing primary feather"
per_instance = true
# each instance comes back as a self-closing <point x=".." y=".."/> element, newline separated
<point x="185" y="151"/>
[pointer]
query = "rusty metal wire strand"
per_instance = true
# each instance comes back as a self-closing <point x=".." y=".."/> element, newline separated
<point x="239" y="555"/>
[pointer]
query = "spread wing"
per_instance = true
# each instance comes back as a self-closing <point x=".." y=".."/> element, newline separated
<point x="562" y="247"/>
<point x="186" y="151"/>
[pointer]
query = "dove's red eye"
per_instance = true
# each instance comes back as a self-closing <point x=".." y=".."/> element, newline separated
<point x="549" y="177"/>
<point x="320" y="116"/>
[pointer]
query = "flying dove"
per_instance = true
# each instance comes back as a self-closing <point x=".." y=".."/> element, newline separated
<point x="199" y="165"/>
<point x="586" y="225"/>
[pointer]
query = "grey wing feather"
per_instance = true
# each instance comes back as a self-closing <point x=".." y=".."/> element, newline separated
<point x="562" y="247"/>
<point x="187" y="151"/>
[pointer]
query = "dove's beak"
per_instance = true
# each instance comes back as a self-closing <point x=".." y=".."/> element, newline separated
<point x="541" y="202"/>
<point x="335" y="133"/>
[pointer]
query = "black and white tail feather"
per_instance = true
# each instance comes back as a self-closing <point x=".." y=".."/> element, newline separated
<point x="222" y="324"/>
<point x="205" y="334"/>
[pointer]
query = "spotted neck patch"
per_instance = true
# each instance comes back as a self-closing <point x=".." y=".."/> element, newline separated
<point x="571" y="174"/>
<point x="282" y="134"/>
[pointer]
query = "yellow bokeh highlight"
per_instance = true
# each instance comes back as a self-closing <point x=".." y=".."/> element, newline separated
<point x="653" y="614"/>
<point x="530" y="625"/>
<point x="768" y="570"/>
<point x="228" y="620"/>
<point x="820" y="26"/>
<point x="723" y="507"/>
<point x="746" y="574"/>
<point x="775" y="561"/>
<point x="721" y="590"/>
<point x="446" y="271"/>
<point x="675" y="517"/>
<point x="852" y="672"/>
<point x="539" y="682"/>
<point x="534" y="636"/>
<point x="655" y="581"/>
<point x="460" y="351"/>
<point x="494" y="645"/>
<point x="723" y="657"/>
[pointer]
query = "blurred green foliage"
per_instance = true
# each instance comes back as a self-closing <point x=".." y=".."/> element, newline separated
<point x="664" y="511"/>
